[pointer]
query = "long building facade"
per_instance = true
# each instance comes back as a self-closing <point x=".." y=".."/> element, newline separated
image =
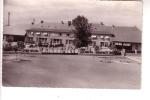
<point x="47" y="38"/>
<point x="58" y="38"/>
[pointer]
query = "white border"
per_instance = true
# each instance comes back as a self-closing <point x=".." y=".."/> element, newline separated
<point x="92" y="94"/>
<point x="1" y="37"/>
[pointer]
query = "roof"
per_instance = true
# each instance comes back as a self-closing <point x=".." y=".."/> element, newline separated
<point x="58" y="27"/>
<point x="15" y="29"/>
<point x="14" y="35"/>
<point x="122" y="33"/>
<point x="127" y="34"/>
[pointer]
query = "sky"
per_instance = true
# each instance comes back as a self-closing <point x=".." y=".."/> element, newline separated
<point x="119" y="13"/>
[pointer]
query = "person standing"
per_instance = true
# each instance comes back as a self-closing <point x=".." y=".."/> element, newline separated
<point x="135" y="51"/>
<point x="123" y="52"/>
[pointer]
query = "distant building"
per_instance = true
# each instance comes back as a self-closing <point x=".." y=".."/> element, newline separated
<point x="13" y="38"/>
<point x="61" y="35"/>
<point x="54" y="34"/>
<point x="14" y="33"/>
<point x="129" y="38"/>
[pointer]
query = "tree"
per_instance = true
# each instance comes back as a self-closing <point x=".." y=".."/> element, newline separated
<point x="82" y="31"/>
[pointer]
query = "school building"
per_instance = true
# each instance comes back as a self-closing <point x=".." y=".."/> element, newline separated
<point x="57" y="35"/>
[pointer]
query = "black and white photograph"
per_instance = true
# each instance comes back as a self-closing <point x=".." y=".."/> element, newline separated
<point x="95" y="44"/>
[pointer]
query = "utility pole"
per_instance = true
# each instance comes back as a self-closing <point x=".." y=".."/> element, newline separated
<point x="8" y="18"/>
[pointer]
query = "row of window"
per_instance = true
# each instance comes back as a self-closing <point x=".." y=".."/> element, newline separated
<point x="100" y="36"/>
<point x="49" y="34"/>
<point x="104" y="44"/>
<point x="67" y="34"/>
<point x="124" y="44"/>
<point x="44" y="40"/>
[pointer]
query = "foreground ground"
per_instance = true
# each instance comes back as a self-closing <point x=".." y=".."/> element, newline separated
<point x="71" y="71"/>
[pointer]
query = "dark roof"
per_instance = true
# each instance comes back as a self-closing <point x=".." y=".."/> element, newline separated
<point x="122" y="33"/>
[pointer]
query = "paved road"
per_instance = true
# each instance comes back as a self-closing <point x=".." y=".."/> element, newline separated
<point x="71" y="71"/>
<point x="135" y="58"/>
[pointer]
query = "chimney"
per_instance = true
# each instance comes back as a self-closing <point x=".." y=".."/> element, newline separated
<point x="62" y="22"/>
<point x="33" y="22"/>
<point x="8" y="18"/>
<point x="42" y="23"/>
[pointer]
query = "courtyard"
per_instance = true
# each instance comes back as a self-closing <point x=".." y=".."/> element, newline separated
<point x="71" y="71"/>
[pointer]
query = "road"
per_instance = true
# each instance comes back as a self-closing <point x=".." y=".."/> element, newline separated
<point x="71" y="71"/>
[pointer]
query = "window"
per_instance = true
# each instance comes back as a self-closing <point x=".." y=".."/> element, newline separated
<point x="106" y="44"/>
<point x="70" y="41"/>
<point x="107" y="38"/>
<point x="101" y="44"/>
<point x="117" y="43"/>
<point x="49" y="34"/>
<point x="54" y="40"/>
<point x="38" y="33"/>
<point x="94" y="37"/>
<point x="54" y="34"/>
<point x="126" y="44"/>
<point x="66" y="41"/>
<point x="30" y="39"/>
<point x="45" y="33"/>
<point x="67" y="34"/>
<point x="72" y="35"/>
<point x="102" y="37"/>
<point x="60" y="34"/>
<point x="31" y="33"/>
<point x="60" y="41"/>
<point x="94" y="43"/>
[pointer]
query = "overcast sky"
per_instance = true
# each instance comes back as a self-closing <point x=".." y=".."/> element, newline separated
<point x="124" y="13"/>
